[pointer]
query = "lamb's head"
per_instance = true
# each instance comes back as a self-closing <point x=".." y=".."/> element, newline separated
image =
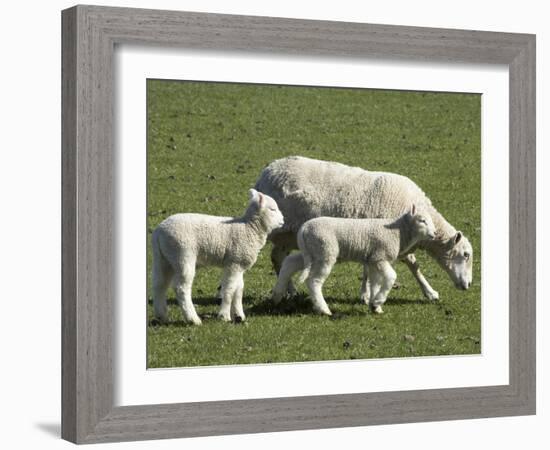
<point x="421" y="225"/>
<point x="457" y="260"/>
<point x="263" y="208"/>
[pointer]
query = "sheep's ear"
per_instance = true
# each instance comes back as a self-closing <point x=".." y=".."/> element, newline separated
<point x="252" y="194"/>
<point x="261" y="199"/>
<point x="413" y="210"/>
<point x="458" y="237"/>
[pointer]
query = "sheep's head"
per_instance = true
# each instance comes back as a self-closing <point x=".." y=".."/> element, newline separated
<point x="266" y="209"/>
<point x="422" y="226"/>
<point x="457" y="260"/>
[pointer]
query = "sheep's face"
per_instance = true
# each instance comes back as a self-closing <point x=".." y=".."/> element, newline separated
<point x="457" y="260"/>
<point x="267" y="210"/>
<point x="421" y="225"/>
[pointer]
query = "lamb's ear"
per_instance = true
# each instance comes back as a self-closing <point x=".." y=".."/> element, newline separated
<point x="261" y="199"/>
<point x="252" y="194"/>
<point x="458" y="237"/>
<point x="413" y="210"/>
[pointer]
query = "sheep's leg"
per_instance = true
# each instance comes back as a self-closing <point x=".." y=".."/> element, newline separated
<point x="374" y="284"/>
<point x="282" y="245"/>
<point x="427" y="290"/>
<point x="230" y="284"/>
<point x="317" y="276"/>
<point x="365" y="286"/>
<point x="162" y="277"/>
<point x="237" y="311"/>
<point x="293" y="263"/>
<point x="183" y="284"/>
<point x="385" y="276"/>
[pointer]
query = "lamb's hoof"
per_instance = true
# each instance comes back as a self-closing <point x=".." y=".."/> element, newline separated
<point x="378" y="310"/>
<point x="322" y="310"/>
<point x="432" y="296"/>
<point x="156" y="321"/>
<point x="195" y="320"/>
<point x="224" y="317"/>
<point x="238" y="319"/>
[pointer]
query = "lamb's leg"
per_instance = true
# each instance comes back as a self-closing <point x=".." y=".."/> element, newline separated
<point x="293" y="263"/>
<point x="365" y="286"/>
<point x="282" y="246"/>
<point x="317" y="276"/>
<point x="384" y="277"/>
<point x="162" y="277"/>
<point x="230" y="283"/>
<point x="237" y="311"/>
<point x="183" y="284"/>
<point x="427" y="290"/>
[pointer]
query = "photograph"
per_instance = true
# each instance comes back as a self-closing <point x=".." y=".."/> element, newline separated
<point x="292" y="224"/>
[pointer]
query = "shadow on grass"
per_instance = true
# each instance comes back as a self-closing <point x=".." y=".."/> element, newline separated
<point x="203" y="301"/>
<point x="297" y="305"/>
<point x="301" y="304"/>
<point x="408" y="301"/>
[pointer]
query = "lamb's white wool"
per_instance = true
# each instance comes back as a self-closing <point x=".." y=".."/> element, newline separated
<point x="184" y="241"/>
<point x="375" y="243"/>
<point x="307" y="188"/>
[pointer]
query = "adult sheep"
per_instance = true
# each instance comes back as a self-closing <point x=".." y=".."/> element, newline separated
<point x="305" y="188"/>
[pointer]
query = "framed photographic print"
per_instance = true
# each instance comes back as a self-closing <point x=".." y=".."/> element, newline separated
<point x="253" y="132"/>
<point x="277" y="224"/>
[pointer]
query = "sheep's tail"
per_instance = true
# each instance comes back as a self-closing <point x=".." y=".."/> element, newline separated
<point x="306" y="256"/>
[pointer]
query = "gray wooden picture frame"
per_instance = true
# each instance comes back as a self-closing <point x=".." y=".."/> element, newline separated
<point x="90" y="34"/>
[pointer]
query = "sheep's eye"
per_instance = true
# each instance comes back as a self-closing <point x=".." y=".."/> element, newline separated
<point x="466" y="256"/>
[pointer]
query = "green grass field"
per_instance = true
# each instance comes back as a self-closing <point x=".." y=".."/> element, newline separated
<point x="207" y="144"/>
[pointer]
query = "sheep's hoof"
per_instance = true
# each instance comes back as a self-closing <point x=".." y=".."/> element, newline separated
<point x="156" y="321"/>
<point x="238" y="319"/>
<point x="364" y="299"/>
<point x="378" y="310"/>
<point x="276" y="297"/>
<point x="432" y="295"/>
<point x="224" y="318"/>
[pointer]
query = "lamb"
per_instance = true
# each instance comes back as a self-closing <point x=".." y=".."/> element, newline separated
<point x="375" y="243"/>
<point x="306" y="188"/>
<point x="184" y="241"/>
